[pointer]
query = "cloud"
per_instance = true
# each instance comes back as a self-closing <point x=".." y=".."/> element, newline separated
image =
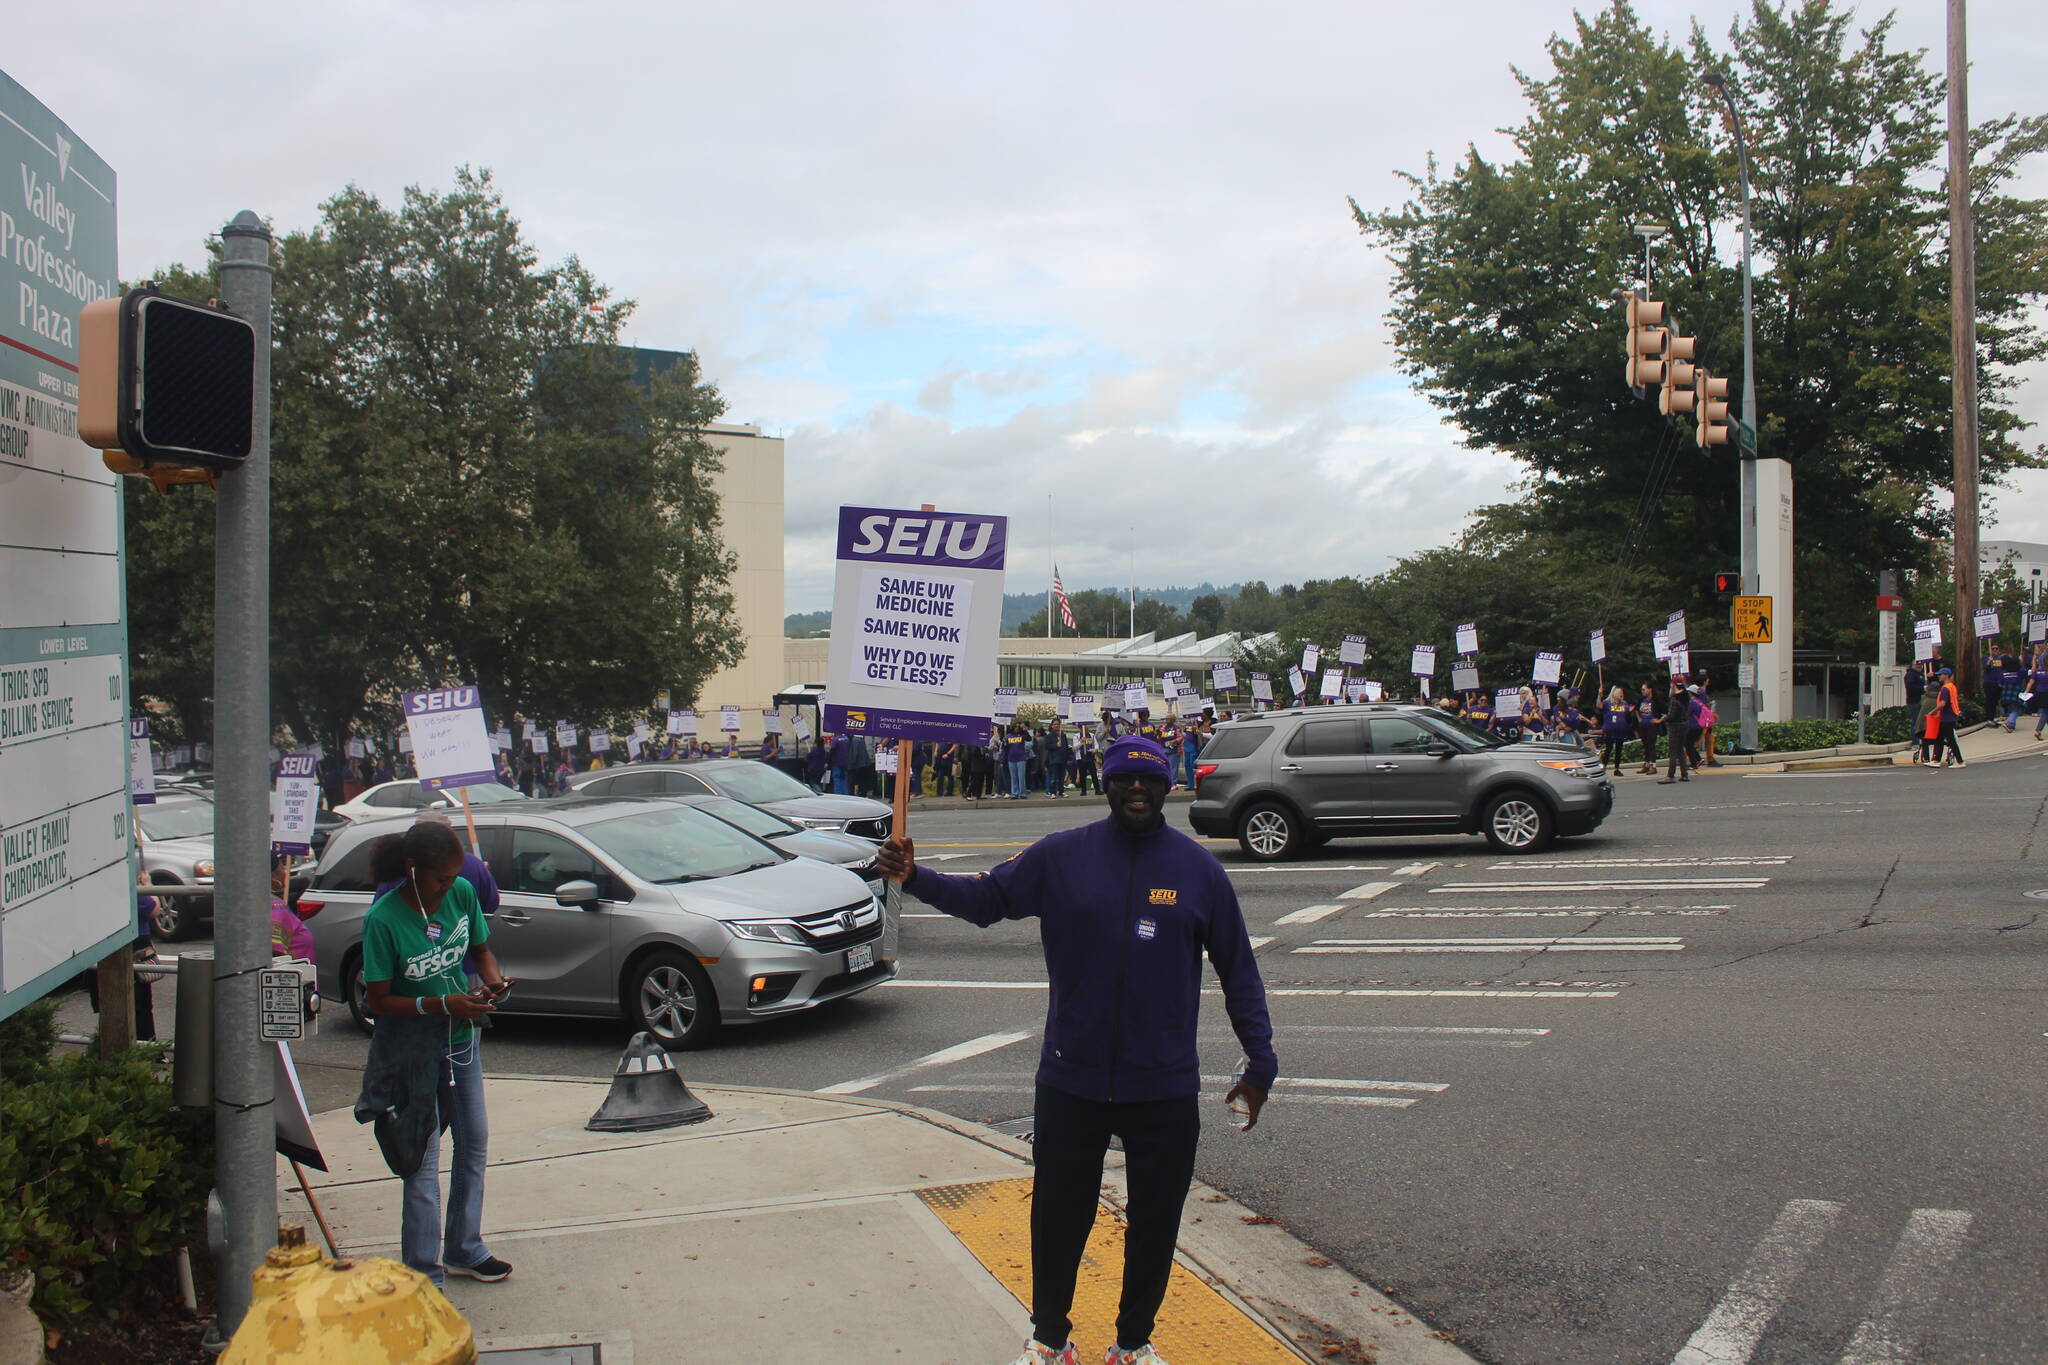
<point x="966" y="254"/>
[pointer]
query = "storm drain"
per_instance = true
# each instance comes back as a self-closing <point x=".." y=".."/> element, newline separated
<point x="580" y="1353"/>
<point x="1023" y="1130"/>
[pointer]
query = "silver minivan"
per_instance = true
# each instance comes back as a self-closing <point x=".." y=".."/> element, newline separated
<point x="1286" y="782"/>
<point x="645" y="910"/>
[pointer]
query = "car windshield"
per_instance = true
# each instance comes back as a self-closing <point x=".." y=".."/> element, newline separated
<point x="754" y="783"/>
<point x="484" y="793"/>
<point x="680" y="845"/>
<point x="175" y="819"/>
<point x="1443" y="722"/>
<point x="752" y="819"/>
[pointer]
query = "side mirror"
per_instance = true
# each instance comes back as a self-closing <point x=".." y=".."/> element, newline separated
<point x="1440" y="750"/>
<point x="580" y="892"/>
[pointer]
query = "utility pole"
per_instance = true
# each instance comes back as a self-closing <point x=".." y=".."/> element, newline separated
<point x="244" y="1121"/>
<point x="1746" y="441"/>
<point x="1962" y="288"/>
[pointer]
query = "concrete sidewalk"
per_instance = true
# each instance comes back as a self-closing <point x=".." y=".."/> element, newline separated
<point x="827" y="1228"/>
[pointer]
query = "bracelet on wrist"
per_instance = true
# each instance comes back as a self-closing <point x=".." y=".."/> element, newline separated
<point x="419" y="1004"/>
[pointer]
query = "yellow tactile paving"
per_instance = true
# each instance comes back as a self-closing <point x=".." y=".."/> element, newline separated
<point x="1197" y="1325"/>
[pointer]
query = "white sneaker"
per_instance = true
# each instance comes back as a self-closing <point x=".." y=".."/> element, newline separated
<point x="1037" y="1353"/>
<point x="1144" y="1355"/>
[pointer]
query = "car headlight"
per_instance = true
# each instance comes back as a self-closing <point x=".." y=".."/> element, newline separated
<point x="1576" y="767"/>
<point x="836" y="826"/>
<point x="203" y="870"/>
<point x="770" y="931"/>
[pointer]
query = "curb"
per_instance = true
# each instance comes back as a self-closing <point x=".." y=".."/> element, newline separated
<point x="1271" y="1275"/>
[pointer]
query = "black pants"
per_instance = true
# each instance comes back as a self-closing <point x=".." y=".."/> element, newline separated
<point x="1610" y="750"/>
<point x="1945" y="746"/>
<point x="1680" y="759"/>
<point x="1070" y="1138"/>
<point x="1648" y="735"/>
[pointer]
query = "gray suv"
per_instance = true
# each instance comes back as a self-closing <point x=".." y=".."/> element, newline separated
<point x="1286" y="782"/>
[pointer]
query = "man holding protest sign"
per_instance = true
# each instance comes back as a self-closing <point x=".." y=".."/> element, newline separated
<point x="1127" y="907"/>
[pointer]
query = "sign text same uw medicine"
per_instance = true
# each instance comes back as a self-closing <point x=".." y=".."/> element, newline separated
<point x="66" y="888"/>
<point x="916" y="614"/>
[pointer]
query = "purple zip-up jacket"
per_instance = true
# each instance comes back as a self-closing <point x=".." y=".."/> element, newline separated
<point x="1124" y="921"/>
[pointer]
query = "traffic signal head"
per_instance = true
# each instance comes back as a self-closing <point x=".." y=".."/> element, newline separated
<point x="1727" y="582"/>
<point x="1646" y="339"/>
<point x="1710" y="410"/>
<point x="166" y="380"/>
<point x="1677" y="395"/>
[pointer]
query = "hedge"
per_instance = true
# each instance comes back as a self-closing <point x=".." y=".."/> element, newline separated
<point x="101" y="1176"/>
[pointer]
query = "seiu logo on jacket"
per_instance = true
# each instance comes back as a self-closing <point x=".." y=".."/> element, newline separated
<point x="1164" y="895"/>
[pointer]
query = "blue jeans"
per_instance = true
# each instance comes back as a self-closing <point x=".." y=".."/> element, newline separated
<point x="1187" y="763"/>
<point x="839" y="781"/>
<point x="1017" y="788"/>
<point x="427" y="1239"/>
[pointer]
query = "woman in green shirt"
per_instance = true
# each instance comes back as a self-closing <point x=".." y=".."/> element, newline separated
<point x="415" y="938"/>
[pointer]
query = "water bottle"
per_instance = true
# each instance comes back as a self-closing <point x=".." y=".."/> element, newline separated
<point x="1240" y="1110"/>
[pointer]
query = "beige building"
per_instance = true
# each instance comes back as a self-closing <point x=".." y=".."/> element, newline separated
<point x="750" y="501"/>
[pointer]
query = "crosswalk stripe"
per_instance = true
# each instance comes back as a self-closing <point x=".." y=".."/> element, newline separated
<point x="1367" y="891"/>
<point x="1314" y="867"/>
<point x="1471" y="1029"/>
<point x="959" y="1052"/>
<point x="1580" y="944"/>
<point x="1525" y="865"/>
<point x="1548" y="909"/>
<point x="1308" y="914"/>
<point x="1516" y="912"/>
<point x="1415" y="869"/>
<point x="1737" y="1323"/>
<point x="1554" y="888"/>
<point x="1912" y="1279"/>
<point x="1327" y="1083"/>
<point x="1362" y="1101"/>
<point x="1476" y="993"/>
<point x="1260" y="940"/>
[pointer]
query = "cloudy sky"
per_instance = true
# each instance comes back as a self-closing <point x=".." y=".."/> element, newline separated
<point x="956" y="253"/>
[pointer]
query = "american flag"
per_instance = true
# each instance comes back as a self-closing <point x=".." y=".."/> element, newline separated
<point x="1059" y="593"/>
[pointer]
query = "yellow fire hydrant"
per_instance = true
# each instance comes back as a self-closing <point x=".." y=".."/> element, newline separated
<point x="308" y="1310"/>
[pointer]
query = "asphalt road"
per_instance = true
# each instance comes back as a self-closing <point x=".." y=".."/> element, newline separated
<point x="1753" y="1074"/>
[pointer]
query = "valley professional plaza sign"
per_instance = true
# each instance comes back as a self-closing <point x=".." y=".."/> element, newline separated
<point x="66" y="886"/>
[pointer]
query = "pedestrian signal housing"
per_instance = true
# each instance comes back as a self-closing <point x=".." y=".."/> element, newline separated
<point x="1710" y="409"/>
<point x="1727" y="582"/>
<point x="168" y="381"/>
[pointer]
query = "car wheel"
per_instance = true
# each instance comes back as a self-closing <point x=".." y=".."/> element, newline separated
<point x="670" y="997"/>
<point x="174" y="919"/>
<point x="357" y="993"/>
<point x="1516" y="822"/>
<point x="1268" y="832"/>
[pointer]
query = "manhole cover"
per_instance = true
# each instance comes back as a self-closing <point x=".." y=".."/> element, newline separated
<point x="2040" y="895"/>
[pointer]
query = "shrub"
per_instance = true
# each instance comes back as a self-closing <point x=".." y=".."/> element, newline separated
<point x="101" y="1176"/>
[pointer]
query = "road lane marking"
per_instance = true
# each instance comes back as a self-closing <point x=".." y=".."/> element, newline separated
<point x="1415" y="869"/>
<point x="1737" y="1323"/>
<point x="1912" y="1281"/>
<point x="1636" y="943"/>
<point x="1291" y="1099"/>
<point x="1508" y="993"/>
<point x="1260" y="940"/>
<point x="1308" y="914"/>
<point x="1559" y="888"/>
<point x="973" y="1047"/>
<point x="1367" y="891"/>
<point x="1496" y="1032"/>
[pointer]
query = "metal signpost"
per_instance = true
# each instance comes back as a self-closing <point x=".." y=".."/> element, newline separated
<point x="66" y="875"/>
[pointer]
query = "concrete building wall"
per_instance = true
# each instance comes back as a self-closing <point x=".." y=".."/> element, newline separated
<point x="750" y="491"/>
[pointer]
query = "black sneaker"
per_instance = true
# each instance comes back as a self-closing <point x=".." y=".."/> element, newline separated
<point x="490" y="1270"/>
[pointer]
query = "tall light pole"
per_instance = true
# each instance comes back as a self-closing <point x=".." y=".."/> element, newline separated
<point x="1962" y="288"/>
<point x="1746" y="425"/>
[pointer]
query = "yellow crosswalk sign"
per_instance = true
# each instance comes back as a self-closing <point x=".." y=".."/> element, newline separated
<point x="1752" y="620"/>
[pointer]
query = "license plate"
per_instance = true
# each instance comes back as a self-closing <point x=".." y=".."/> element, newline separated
<point x="860" y="958"/>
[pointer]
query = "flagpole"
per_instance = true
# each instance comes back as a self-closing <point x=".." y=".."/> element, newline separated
<point x="1134" y="583"/>
<point x="1048" y="566"/>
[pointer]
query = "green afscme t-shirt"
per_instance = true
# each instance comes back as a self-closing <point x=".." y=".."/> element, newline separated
<point x="423" y="956"/>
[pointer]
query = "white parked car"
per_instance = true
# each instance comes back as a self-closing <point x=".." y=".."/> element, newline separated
<point x="390" y="800"/>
